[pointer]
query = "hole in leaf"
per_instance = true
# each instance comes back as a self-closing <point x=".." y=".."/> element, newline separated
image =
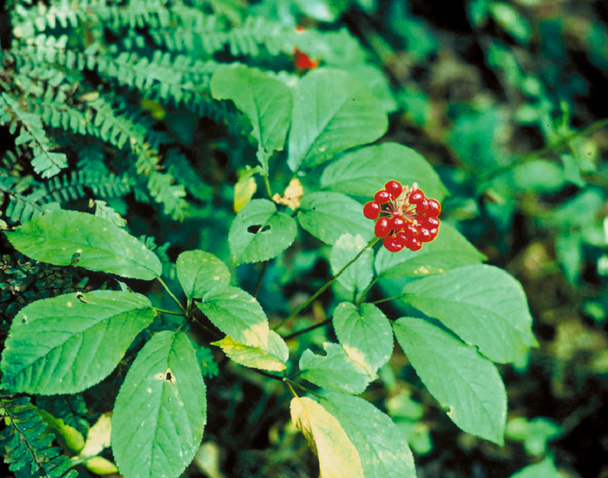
<point x="168" y="377"/>
<point x="257" y="228"/>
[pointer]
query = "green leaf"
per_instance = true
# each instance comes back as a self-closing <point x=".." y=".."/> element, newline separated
<point x="332" y="112"/>
<point x="365" y="334"/>
<point x="259" y="232"/>
<point x="238" y="315"/>
<point x="329" y="215"/>
<point x="161" y="409"/>
<point x="359" y="274"/>
<point x="67" y="238"/>
<point x="198" y="272"/>
<point x="266" y="102"/>
<point x="449" y="251"/>
<point x="545" y="468"/>
<point x="383" y="449"/>
<point x="338" y="458"/>
<point x="364" y="171"/>
<point x="466" y="384"/>
<point x="483" y="305"/>
<point x="273" y="359"/>
<point x="335" y="370"/>
<point x="71" y="342"/>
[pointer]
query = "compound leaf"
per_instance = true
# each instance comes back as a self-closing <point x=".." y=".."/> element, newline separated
<point x="198" y="272"/>
<point x="69" y="343"/>
<point x="365" y="334"/>
<point x="329" y="215"/>
<point x="364" y="171"/>
<point x="382" y="447"/>
<point x="238" y="315"/>
<point x="449" y="251"/>
<point x="338" y="458"/>
<point x="259" y="232"/>
<point x="483" y="305"/>
<point x="332" y="111"/>
<point x="465" y="383"/>
<point x="160" y="411"/>
<point x="335" y="370"/>
<point x="67" y="238"/>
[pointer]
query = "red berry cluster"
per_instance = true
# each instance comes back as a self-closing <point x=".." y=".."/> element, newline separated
<point x="404" y="216"/>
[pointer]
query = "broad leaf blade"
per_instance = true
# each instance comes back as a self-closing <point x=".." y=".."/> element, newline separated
<point x="199" y="272"/>
<point x="364" y="171"/>
<point x="338" y="458"/>
<point x="332" y="112"/>
<point x="449" y="251"/>
<point x="238" y="315"/>
<point x="466" y="384"/>
<point x="365" y="333"/>
<point x="274" y="359"/>
<point x="382" y="447"/>
<point x="483" y="305"/>
<point x="359" y="274"/>
<point x="71" y="342"/>
<point x="266" y="102"/>
<point x="259" y="232"/>
<point x="329" y="215"/>
<point x="160" y="411"/>
<point x="67" y="238"/>
<point x="335" y="370"/>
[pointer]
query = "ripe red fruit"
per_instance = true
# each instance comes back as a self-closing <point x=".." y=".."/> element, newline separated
<point x="425" y="235"/>
<point x="392" y="244"/>
<point x="382" y="196"/>
<point x="433" y="208"/>
<point x="401" y="238"/>
<point x="422" y="206"/>
<point x="371" y="210"/>
<point x="428" y="221"/>
<point x="411" y="230"/>
<point x="416" y="196"/>
<point x="433" y="233"/>
<point x="396" y="223"/>
<point x="394" y="188"/>
<point x="303" y="61"/>
<point x="382" y="227"/>
<point x="414" y="245"/>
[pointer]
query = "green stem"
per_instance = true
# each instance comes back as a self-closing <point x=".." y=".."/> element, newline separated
<point x="324" y="287"/>
<point x="363" y="294"/>
<point x="170" y="312"/>
<point x="307" y="329"/>
<point x="259" y="283"/>
<point x="171" y="294"/>
<point x="267" y="183"/>
<point x="389" y="299"/>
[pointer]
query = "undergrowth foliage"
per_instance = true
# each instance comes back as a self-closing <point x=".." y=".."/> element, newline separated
<point x="106" y="104"/>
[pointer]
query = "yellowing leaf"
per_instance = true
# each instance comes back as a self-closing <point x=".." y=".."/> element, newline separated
<point x="98" y="437"/>
<point x="272" y="359"/>
<point x="292" y="196"/>
<point x="244" y="190"/>
<point x="327" y="439"/>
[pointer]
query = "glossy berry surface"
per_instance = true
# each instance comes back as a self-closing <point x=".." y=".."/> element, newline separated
<point x="404" y="216"/>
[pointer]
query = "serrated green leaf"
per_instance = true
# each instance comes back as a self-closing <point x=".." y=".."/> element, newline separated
<point x="335" y="370"/>
<point x="71" y="342"/>
<point x="449" y="250"/>
<point x="274" y="359"/>
<point x="382" y="448"/>
<point x="359" y="274"/>
<point x="366" y="170"/>
<point x="483" y="305"/>
<point x="266" y="102"/>
<point x="329" y="215"/>
<point x="338" y="458"/>
<point x="365" y="334"/>
<point x="199" y="272"/>
<point x="332" y="111"/>
<point x="67" y="238"/>
<point x="259" y="232"/>
<point x="238" y="315"/>
<point x="161" y="409"/>
<point x="466" y="384"/>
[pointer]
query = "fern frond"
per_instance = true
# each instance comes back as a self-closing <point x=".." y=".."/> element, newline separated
<point x="32" y="134"/>
<point x="63" y="13"/>
<point x="26" y="443"/>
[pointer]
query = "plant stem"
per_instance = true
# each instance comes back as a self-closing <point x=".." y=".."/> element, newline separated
<point x="388" y="299"/>
<point x="171" y="294"/>
<point x="259" y="283"/>
<point x="326" y="285"/>
<point x="267" y="183"/>
<point x="170" y="312"/>
<point x="367" y="289"/>
<point x="307" y="329"/>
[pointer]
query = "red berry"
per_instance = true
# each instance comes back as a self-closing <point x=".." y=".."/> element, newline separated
<point x="394" y="188"/>
<point x="382" y="196"/>
<point x="303" y="61"/>
<point x="416" y="196"/>
<point x="397" y="223"/>
<point x="425" y="235"/>
<point x="422" y="206"/>
<point x="392" y="244"/>
<point x="428" y="221"/>
<point x="433" y="233"/>
<point x="434" y="208"/>
<point x="401" y="238"/>
<point x="411" y="230"/>
<point x="371" y="210"/>
<point x="414" y="245"/>
<point x="382" y="227"/>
